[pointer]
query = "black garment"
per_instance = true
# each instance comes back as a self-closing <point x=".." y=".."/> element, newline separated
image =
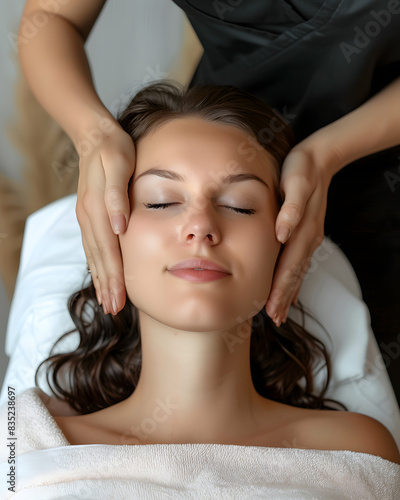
<point x="314" y="62"/>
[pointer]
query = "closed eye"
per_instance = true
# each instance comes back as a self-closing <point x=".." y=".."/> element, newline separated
<point x="157" y="206"/>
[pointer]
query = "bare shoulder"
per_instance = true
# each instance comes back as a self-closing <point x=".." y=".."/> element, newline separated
<point x="76" y="430"/>
<point x="344" y="430"/>
<point x="67" y="426"/>
<point x="84" y="429"/>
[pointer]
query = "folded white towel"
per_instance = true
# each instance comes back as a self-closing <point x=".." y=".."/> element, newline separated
<point x="48" y="467"/>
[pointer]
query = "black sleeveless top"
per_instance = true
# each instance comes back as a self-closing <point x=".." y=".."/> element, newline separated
<point x="313" y="61"/>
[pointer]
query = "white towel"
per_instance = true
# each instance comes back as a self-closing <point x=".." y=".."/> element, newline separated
<point x="48" y="467"/>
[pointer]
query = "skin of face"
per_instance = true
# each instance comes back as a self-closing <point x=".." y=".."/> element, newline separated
<point x="200" y="223"/>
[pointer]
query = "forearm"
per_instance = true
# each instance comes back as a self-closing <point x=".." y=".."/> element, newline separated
<point x="55" y="65"/>
<point x="372" y="127"/>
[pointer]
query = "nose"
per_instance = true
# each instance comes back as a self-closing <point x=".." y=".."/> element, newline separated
<point x="200" y="225"/>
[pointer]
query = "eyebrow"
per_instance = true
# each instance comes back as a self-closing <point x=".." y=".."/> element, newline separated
<point x="229" y="179"/>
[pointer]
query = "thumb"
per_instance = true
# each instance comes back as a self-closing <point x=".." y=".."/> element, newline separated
<point x="117" y="199"/>
<point x="292" y="210"/>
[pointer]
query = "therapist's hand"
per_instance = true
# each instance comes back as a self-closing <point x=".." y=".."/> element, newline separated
<point x="103" y="211"/>
<point x="304" y="188"/>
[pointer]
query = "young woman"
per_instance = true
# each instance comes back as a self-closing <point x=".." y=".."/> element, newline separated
<point x="192" y="357"/>
<point x="331" y="67"/>
<point x="191" y="390"/>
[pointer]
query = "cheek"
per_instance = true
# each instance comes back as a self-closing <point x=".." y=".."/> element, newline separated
<point x="268" y="255"/>
<point x="259" y="252"/>
<point x="141" y="249"/>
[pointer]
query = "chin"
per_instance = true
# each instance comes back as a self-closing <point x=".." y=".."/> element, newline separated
<point x="200" y="316"/>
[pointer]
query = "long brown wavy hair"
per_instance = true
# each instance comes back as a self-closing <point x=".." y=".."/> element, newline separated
<point x="104" y="369"/>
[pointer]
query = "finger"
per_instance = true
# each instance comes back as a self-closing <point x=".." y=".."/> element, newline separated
<point x="84" y="224"/>
<point x="116" y="192"/>
<point x="83" y="209"/>
<point x="93" y="270"/>
<point x="291" y="268"/>
<point x="303" y="272"/>
<point x="95" y="264"/>
<point x="292" y="298"/>
<point x="297" y="193"/>
<point x="106" y="254"/>
<point x="294" y="301"/>
<point x="285" y="282"/>
<point x="295" y="255"/>
<point x="284" y="309"/>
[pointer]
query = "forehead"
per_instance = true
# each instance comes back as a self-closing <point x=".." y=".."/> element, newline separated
<point x="199" y="146"/>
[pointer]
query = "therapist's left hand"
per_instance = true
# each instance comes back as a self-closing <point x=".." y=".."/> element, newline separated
<point x="304" y="188"/>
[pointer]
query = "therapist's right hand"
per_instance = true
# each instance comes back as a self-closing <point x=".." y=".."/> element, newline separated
<point x="103" y="211"/>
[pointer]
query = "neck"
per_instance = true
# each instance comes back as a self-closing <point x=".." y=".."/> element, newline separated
<point x="193" y="387"/>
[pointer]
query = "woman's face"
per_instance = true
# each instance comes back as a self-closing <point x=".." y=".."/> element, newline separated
<point x="190" y="176"/>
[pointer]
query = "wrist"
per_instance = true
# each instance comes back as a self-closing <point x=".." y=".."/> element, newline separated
<point x="92" y="130"/>
<point x="322" y="147"/>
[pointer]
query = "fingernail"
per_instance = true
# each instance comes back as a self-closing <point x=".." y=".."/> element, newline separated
<point x="114" y="303"/>
<point x="283" y="234"/>
<point x="118" y="223"/>
<point x="98" y="295"/>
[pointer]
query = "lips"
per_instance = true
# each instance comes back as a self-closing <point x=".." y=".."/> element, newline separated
<point x="199" y="264"/>
<point x="199" y="270"/>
